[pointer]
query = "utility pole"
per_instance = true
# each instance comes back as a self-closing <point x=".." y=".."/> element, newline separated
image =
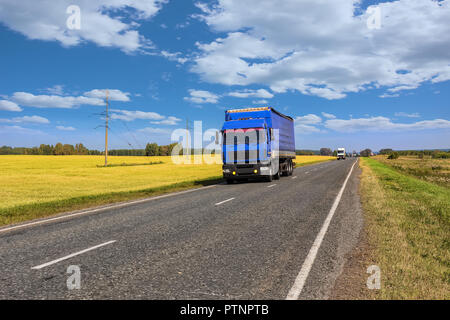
<point x="106" y="130"/>
<point x="187" y="138"/>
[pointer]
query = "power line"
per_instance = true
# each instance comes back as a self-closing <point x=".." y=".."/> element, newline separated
<point x="131" y="133"/>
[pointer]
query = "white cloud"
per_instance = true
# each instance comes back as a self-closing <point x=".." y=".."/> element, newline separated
<point x="27" y="119"/>
<point x="105" y="23"/>
<point x="407" y="115"/>
<point x="387" y="95"/>
<point x="260" y="93"/>
<point x="322" y="48"/>
<point x="328" y="115"/>
<point x="150" y="130"/>
<point x="65" y="128"/>
<point x="201" y="96"/>
<point x="306" y="124"/>
<point x="94" y="97"/>
<point x="307" y="119"/>
<point x="260" y="101"/>
<point x="113" y="94"/>
<point x="176" y="56"/>
<point x="52" y="101"/>
<point x="55" y="90"/>
<point x="406" y="87"/>
<point x="303" y="128"/>
<point x="128" y="115"/>
<point x="383" y="124"/>
<point x="5" y="130"/>
<point x="171" y="121"/>
<point x="9" y="106"/>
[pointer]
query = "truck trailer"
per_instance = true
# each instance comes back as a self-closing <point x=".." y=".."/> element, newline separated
<point x="341" y="153"/>
<point x="257" y="143"/>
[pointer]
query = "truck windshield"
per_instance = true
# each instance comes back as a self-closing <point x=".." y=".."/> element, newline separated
<point x="244" y="136"/>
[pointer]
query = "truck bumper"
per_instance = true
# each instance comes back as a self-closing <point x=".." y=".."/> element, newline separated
<point x="245" y="171"/>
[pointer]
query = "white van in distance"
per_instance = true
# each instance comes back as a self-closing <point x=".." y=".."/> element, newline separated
<point x="341" y="153"/>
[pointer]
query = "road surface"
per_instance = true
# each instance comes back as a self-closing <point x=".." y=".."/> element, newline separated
<point x="241" y="241"/>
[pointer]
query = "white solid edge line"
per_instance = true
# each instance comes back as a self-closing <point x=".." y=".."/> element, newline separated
<point x="218" y="203"/>
<point x="102" y="209"/>
<point x="297" y="288"/>
<point x="272" y="185"/>
<point x="71" y="255"/>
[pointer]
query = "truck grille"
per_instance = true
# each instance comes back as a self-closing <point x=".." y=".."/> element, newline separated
<point x="242" y="156"/>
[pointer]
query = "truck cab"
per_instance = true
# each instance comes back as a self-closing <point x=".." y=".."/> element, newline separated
<point x="257" y="143"/>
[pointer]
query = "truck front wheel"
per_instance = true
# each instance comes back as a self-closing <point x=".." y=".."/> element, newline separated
<point x="276" y="176"/>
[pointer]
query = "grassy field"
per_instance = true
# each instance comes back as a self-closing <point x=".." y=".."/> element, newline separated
<point x="427" y="169"/>
<point x="408" y="225"/>
<point x="37" y="186"/>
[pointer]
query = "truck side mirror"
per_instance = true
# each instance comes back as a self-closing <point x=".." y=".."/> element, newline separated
<point x="217" y="137"/>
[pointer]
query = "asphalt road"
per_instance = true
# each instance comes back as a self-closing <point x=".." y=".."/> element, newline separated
<point x="193" y="245"/>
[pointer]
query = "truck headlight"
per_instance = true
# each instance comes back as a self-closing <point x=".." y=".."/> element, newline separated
<point x="264" y="168"/>
<point x="226" y="170"/>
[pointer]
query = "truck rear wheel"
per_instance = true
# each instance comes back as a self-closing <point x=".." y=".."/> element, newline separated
<point x="285" y="172"/>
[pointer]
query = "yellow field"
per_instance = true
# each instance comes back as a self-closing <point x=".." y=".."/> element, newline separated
<point x="30" y="180"/>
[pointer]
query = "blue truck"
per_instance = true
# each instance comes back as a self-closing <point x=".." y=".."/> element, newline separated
<point x="257" y="143"/>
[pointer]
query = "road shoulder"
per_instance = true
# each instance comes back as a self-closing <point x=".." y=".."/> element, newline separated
<point x="341" y="239"/>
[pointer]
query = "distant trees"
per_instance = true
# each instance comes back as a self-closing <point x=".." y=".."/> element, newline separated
<point x="305" y="152"/>
<point x="152" y="149"/>
<point x="46" y="149"/>
<point x="80" y="149"/>
<point x="59" y="149"/>
<point x="386" y="151"/>
<point x="325" y="152"/>
<point x="435" y="154"/>
<point x="366" y="153"/>
<point x="393" y="155"/>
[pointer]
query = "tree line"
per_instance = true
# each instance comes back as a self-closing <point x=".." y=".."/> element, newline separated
<point x="46" y="149"/>
<point x="59" y="149"/>
<point x="435" y="154"/>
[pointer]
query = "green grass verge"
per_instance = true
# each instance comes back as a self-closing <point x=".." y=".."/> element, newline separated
<point x="408" y="223"/>
<point x="39" y="210"/>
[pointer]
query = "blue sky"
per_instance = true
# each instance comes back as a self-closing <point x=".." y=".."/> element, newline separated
<point x="345" y="83"/>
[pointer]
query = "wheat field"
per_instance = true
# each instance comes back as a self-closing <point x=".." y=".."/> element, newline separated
<point x="30" y="179"/>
